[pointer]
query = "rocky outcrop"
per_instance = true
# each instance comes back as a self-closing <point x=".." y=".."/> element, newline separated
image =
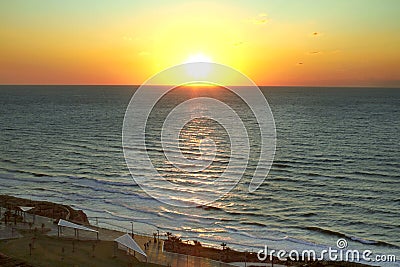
<point x="45" y="208"/>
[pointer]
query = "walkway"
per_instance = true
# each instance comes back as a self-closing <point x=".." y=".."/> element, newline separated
<point x="155" y="252"/>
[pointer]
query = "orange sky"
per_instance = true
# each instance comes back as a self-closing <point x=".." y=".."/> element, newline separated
<point x="277" y="42"/>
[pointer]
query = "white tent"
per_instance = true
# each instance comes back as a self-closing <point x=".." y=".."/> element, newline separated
<point x="76" y="227"/>
<point x="25" y="209"/>
<point x="127" y="241"/>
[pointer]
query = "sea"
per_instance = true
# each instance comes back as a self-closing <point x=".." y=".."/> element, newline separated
<point x="335" y="175"/>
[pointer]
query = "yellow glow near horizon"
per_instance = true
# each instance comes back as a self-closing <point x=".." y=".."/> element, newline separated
<point x="199" y="57"/>
<point x="273" y="42"/>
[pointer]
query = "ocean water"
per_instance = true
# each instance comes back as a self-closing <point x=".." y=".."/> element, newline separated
<point x="336" y="172"/>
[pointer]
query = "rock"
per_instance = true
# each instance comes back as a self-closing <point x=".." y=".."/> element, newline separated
<point x="45" y="208"/>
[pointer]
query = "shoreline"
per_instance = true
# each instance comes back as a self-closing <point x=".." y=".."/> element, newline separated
<point x="169" y="242"/>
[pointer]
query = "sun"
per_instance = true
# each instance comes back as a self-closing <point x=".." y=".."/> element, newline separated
<point x="197" y="67"/>
<point x="199" y="57"/>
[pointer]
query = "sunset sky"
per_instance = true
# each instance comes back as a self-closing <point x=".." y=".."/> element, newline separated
<point x="280" y="42"/>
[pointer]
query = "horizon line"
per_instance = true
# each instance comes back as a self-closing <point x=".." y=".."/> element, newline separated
<point x="293" y="86"/>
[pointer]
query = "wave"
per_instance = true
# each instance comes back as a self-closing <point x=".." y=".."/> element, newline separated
<point x="301" y="241"/>
<point x="54" y="178"/>
<point x="40" y="175"/>
<point x="325" y="231"/>
<point x="254" y="223"/>
<point x="33" y="173"/>
<point x="281" y="165"/>
<point x="244" y="213"/>
<point x="306" y="214"/>
<point x="354" y="238"/>
<point x="208" y="207"/>
<point x="126" y="218"/>
<point x="9" y="161"/>
<point x="375" y="174"/>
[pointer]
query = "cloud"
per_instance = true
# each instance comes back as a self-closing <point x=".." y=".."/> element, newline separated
<point x="325" y="52"/>
<point x="316" y="34"/>
<point x="315" y="52"/>
<point x="260" y="19"/>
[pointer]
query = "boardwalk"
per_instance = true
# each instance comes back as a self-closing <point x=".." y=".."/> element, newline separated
<point x="154" y="251"/>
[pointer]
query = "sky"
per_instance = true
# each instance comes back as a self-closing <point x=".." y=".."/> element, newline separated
<point x="273" y="42"/>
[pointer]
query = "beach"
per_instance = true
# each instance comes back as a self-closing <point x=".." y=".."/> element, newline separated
<point x="42" y="244"/>
<point x="54" y="248"/>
